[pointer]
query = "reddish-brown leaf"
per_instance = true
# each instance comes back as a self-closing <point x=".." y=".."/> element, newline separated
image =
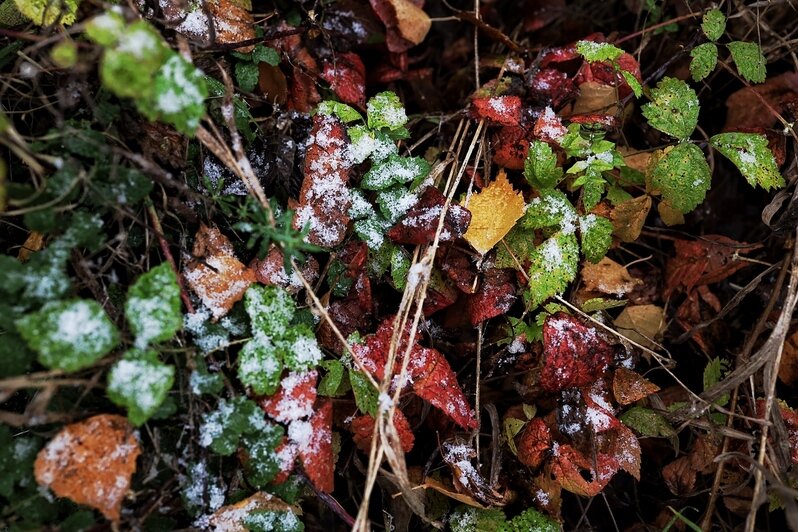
<point x="629" y="386"/>
<point x="421" y="222"/>
<point x="759" y="106"/>
<point x="534" y="443"/>
<point x="681" y="474"/>
<point x="494" y="297"/>
<point x="440" y="294"/>
<point x="314" y="441"/>
<point x="362" y="428"/>
<point x="458" y="266"/>
<point x="573" y="469"/>
<point x="91" y="462"/>
<point x="552" y="87"/>
<point x="510" y="145"/>
<point x="466" y="477"/>
<point x="548" y="127"/>
<point x="497" y="110"/>
<point x="324" y="198"/>
<point x="347" y="78"/>
<point x="223" y="23"/>
<point x="622" y="445"/>
<point x="573" y="354"/>
<point x="293" y="399"/>
<point x="271" y="271"/>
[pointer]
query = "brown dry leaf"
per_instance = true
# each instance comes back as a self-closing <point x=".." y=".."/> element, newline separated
<point x="629" y="386"/>
<point x="406" y="24"/>
<point x="34" y="243"/>
<point x="788" y="369"/>
<point x="467" y="478"/>
<point x="629" y="217"/>
<point x="90" y="462"/>
<point x="641" y="324"/>
<point x="637" y="160"/>
<point x="494" y="212"/>
<point x="750" y="107"/>
<point x="230" y="518"/>
<point x="215" y="274"/>
<point x="608" y="277"/>
<point x="595" y="97"/>
<point x="431" y="483"/>
<point x="226" y="21"/>
<point x="680" y="475"/>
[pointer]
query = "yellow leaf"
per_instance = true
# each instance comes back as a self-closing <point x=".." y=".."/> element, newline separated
<point x="494" y="212"/>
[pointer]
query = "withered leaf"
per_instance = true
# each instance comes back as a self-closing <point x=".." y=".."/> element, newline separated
<point x="641" y="324"/>
<point x="629" y="386"/>
<point x="608" y="277"/>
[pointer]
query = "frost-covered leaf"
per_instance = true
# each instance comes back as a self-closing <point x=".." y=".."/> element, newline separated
<point x="260" y="365"/>
<point x="91" y="462"/>
<point x="270" y="308"/>
<point x="129" y="67"/>
<point x="598" y="51"/>
<point x="704" y="59"/>
<point x="69" y="335"/>
<point x="259" y="445"/>
<point x="750" y="154"/>
<point x="222" y="428"/>
<point x="369" y="143"/>
<point x="673" y="108"/>
<point x="494" y="211"/>
<point x="314" y="440"/>
<point x="595" y="233"/>
<point x="553" y="267"/>
<point x="470" y="519"/>
<point x="395" y="170"/>
<point x="386" y="110"/>
<point x="246" y="76"/>
<point x="152" y="307"/>
<point x="48" y="12"/>
<point x="505" y="110"/>
<point x="574" y="354"/>
<point x="106" y="28"/>
<point x="260" y="512"/>
<point x="201" y="381"/>
<point x="395" y="202"/>
<point x="179" y="95"/>
<point x="540" y="166"/>
<point x="344" y="112"/>
<point x="713" y="24"/>
<point x="301" y="350"/>
<point x="750" y="61"/>
<point x="140" y="382"/>
<point x="682" y="176"/>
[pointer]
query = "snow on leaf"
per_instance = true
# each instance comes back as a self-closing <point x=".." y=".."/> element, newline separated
<point x="550" y="209"/>
<point x="598" y="51"/>
<point x="246" y="514"/>
<point x="314" y="439"/>
<point x="91" y="462"/>
<point x="214" y="22"/>
<point x="260" y="365"/>
<point x="494" y="297"/>
<point x="216" y="275"/>
<point x="713" y="24"/>
<point x="682" y="176"/>
<point x="750" y="61"/>
<point x="458" y="456"/>
<point x="573" y="353"/>
<point x="494" y="211"/>
<point x="294" y="398"/>
<point x="70" y="334"/>
<point x="704" y="59"/>
<point x="179" y="95"/>
<point x="552" y="267"/>
<point x="673" y="108"/>
<point x="751" y="155"/>
<point x="595" y="233"/>
<point x="152" y="307"/>
<point x="497" y="110"/>
<point x="548" y="128"/>
<point x="420" y="223"/>
<point x="140" y="382"/>
<point x="385" y="110"/>
<point x="395" y="170"/>
<point x="347" y="78"/>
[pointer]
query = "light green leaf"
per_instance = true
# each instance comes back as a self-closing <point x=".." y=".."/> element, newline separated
<point x="750" y="61"/>
<point x="531" y="519"/>
<point x="400" y="265"/>
<point x="704" y="59"/>
<point x="341" y="110"/>
<point x="333" y="383"/>
<point x="69" y="335"/>
<point x="633" y="83"/>
<point x="553" y="267"/>
<point x="365" y="393"/>
<point x="153" y="306"/>
<point x="673" y="108"/>
<point x="48" y="12"/>
<point x="512" y="426"/>
<point x="750" y="154"/>
<point x="550" y="209"/>
<point x="469" y="519"/>
<point x="682" y="176"/>
<point x="105" y="29"/>
<point x="265" y="54"/>
<point x="714" y="24"/>
<point x="386" y="110"/>
<point x="140" y="382"/>
<point x="598" y="51"/>
<point x="595" y="304"/>
<point x="521" y="244"/>
<point x="128" y="69"/>
<point x="540" y="166"/>
<point x="180" y="92"/>
<point x="247" y="75"/>
<point x="647" y="422"/>
<point x="367" y="143"/>
<point x="596" y="236"/>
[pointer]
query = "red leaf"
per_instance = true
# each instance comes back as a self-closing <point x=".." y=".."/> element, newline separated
<point x="286" y="456"/>
<point x="510" y="145"/>
<point x="271" y="271"/>
<point x="533" y="447"/>
<point x="552" y="86"/>
<point x="494" y="297"/>
<point x="362" y="428"/>
<point x="457" y="264"/>
<point x="573" y="353"/>
<point x="571" y="468"/>
<point x="440" y="294"/>
<point x="314" y="441"/>
<point x="293" y="399"/>
<point x="622" y="445"/>
<point x="497" y="110"/>
<point x="347" y="78"/>
<point x="324" y="198"/>
<point x="548" y="127"/>
<point x="421" y="222"/>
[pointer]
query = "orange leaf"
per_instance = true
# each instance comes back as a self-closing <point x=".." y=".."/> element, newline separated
<point x="494" y="211"/>
<point x="497" y="110"/>
<point x="90" y="462"/>
<point x="314" y="439"/>
<point x="608" y="277"/>
<point x="294" y="398"/>
<point x="572" y="470"/>
<point x="535" y="443"/>
<point x="629" y="386"/>
<point x="362" y="428"/>
<point x="231" y="23"/>
<point x="216" y="275"/>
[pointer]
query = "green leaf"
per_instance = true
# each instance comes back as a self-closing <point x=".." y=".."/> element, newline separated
<point x="273" y="521"/>
<point x="713" y="373"/>
<point x="683" y="177"/>
<point x="260" y="443"/>
<point x="633" y="83"/>
<point x="673" y="108"/>
<point x="597" y="303"/>
<point x="521" y="243"/>
<point x="301" y="351"/>
<point x="469" y="519"/>
<point x="201" y="381"/>
<point x="246" y="76"/>
<point x="128" y="69"/>
<point x="400" y="265"/>
<point x="395" y="170"/>
<point x="596" y="236"/>
<point x="265" y="54"/>
<point x="512" y="426"/>
<point x="386" y="110"/>
<point x="750" y="61"/>
<point x="333" y="383"/>
<point x="395" y="202"/>
<point x="65" y="54"/>
<point x="750" y="154"/>
<point x="553" y="267"/>
<point x="140" y="382"/>
<point x="260" y="365"/>
<point x="550" y="209"/>
<point x="105" y="29"/>
<point x="222" y="429"/>
<point x="531" y="519"/>
<point x="598" y="51"/>
<point x="345" y="112"/>
<point x="48" y="12"/>
<point x="153" y="306"/>
<point x="714" y="24"/>
<point x="540" y="166"/>
<point x="270" y="309"/>
<point x="14" y="353"/>
<point x="179" y="95"/>
<point x="69" y="335"/>
<point x="17" y="454"/>
<point x="704" y="59"/>
<point x="365" y="393"/>
<point x="120" y="186"/>
<point x="647" y="422"/>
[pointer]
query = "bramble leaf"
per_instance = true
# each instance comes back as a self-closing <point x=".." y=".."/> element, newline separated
<point x="395" y="170"/>
<point x="550" y="209"/>
<point x="683" y="177"/>
<point x="673" y="108"/>
<point x="750" y="61"/>
<point x="265" y="54"/>
<point x="386" y="110"/>
<point x="596" y="236"/>
<point x="540" y="166"/>
<point x="553" y="267"/>
<point x="647" y="422"/>
<point x="69" y="335"/>
<point x="598" y="51"/>
<point x="714" y="24"/>
<point x="750" y="154"/>
<point x="180" y="92"/>
<point x="140" y="382"/>
<point x="343" y="111"/>
<point x="247" y="76"/>
<point x="632" y="81"/>
<point x="153" y="306"/>
<point x="704" y="59"/>
<point x="365" y="393"/>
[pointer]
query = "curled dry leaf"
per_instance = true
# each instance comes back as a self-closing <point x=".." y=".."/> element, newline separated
<point x="224" y="22"/>
<point x="406" y="24"/>
<point x="629" y="386"/>
<point x="215" y="274"/>
<point x="324" y="198"/>
<point x="629" y="217"/>
<point x="362" y="428"/>
<point x="91" y="462"/>
<point x="467" y="479"/>
<point x="548" y="127"/>
<point x="494" y="211"/>
<point x="758" y="106"/>
<point x="608" y="277"/>
<point x="681" y="474"/>
<point x="230" y="518"/>
<point x="641" y="324"/>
